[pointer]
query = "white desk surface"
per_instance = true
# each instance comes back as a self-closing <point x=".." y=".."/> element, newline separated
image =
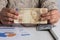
<point x="56" y="30"/>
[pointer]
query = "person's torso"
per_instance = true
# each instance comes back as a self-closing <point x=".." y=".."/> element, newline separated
<point x="23" y="3"/>
<point x="19" y="3"/>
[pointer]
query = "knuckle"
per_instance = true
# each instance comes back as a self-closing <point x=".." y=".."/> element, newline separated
<point x="9" y="15"/>
<point x="12" y="11"/>
<point x="53" y="20"/>
<point x="6" y="13"/>
<point x="9" y="22"/>
<point x="10" y="19"/>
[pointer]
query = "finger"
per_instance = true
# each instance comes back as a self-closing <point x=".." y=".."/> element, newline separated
<point x="43" y="19"/>
<point x="54" y="12"/>
<point x="54" y="16"/>
<point x="11" y="16"/>
<point x="54" y="19"/>
<point x="6" y="22"/>
<point x="13" y="11"/>
<point x="48" y="14"/>
<point x="44" y="15"/>
<point x="48" y="17"/>
<point x="6" y="19"/>
<point x="6" y="14"/>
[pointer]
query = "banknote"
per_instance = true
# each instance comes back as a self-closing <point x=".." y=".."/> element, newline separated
<point x="31" y="15"/>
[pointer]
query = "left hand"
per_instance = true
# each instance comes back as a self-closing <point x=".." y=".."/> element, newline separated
<point x="52" y="16"/>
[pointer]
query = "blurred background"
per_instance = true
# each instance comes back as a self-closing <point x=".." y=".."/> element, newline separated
<point x="58" y="1"/>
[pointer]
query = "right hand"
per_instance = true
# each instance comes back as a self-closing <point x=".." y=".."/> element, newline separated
<point x="7" y="16"/>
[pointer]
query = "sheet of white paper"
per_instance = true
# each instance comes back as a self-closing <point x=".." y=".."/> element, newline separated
<point x="27" y="33"/>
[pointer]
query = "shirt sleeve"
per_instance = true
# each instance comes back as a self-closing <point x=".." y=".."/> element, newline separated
<point x="50" y="4"/>
<point x="3" y="4"/>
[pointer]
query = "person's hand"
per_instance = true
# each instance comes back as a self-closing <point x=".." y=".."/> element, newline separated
<point x="7" y="16"/>
<point x="53" y="16"/>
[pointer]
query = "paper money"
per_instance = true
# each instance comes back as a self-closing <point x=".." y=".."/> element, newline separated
<point x="31" y="15"/>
